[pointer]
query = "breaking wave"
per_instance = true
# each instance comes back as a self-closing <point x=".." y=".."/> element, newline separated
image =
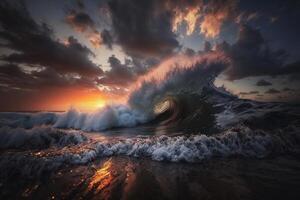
<point x="238" y="141"/>
<point x="181" y="80"/>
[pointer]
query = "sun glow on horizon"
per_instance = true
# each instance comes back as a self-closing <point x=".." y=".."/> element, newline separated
<point x="63" y="99"/>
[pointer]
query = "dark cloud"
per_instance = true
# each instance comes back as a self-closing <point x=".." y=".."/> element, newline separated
<point x="291" y="69"/>
<point x="146" y="28"/>
<point x="143" y="27"/>
<point x="122" y="75"/>
<point x="142" y="66"/>
<point x="207" y="46"/>
<point x="80" y="21"/>
<point x="288" y="90"/>
<point x="119" y="74"/>
<point x="263" y="82"/>
<point x="83" y="23"/>
<point x="246" y="17"/>
<point x="107" y="39"/>
<point x="251" y="56"/>
<point x="80" y="4"/>
<point x="248" y="93"/>
<point x="189" y="52"/>
<point x="13" y="77"/>
<point x="272" y="91"/>
<point x="34" y="44"/>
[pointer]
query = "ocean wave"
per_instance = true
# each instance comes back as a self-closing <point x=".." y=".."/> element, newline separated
<point x="239" y="141"/>
<point x="27" y="120"/>
<point x="105" y="118"/>
<point x="38" y="138"/>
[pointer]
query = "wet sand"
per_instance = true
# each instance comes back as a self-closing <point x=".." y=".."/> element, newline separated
<point x="131" y="178"/>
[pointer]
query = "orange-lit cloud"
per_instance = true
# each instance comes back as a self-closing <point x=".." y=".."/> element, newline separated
<point x="211" y="25"/>
<point x="95" y="39"/>
<point x="208" y="16"/>
<point x="216" y="14"/>
<point x="83" y="23"/>
<point x="190" y="17"/>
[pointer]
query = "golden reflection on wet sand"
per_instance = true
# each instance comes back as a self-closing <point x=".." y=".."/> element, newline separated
<point x="102" y="177"/>
<point x="114" y="179"/>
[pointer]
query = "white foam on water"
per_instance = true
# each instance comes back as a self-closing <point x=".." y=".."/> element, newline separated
<point x="108" y="117"/>
<point x="238" y="141"/>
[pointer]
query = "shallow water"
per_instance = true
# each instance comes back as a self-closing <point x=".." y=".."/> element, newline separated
<point x="131" y="178"/>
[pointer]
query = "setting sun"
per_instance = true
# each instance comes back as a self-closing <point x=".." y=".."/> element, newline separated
<point x="62" y="99"/>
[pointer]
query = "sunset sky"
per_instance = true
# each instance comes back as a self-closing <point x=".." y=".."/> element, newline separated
<point x="56" y="54"/>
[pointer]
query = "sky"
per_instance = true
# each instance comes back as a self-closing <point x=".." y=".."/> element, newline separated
<point x="56" y="54"/>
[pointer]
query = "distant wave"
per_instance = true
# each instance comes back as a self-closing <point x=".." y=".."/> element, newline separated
<point x="27" y="120"/>
<point x="38" y="138"/>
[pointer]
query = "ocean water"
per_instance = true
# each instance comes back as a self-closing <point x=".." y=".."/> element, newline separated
<point x="251" y="152"/>
<point x="179" y="137"/>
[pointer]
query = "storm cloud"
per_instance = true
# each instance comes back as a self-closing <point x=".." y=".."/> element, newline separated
<point x="149" y="28"/>
<point x="14" y="77"/>
<point x="80" y="21"/>
<point x="252" y="56"/>
<point x="248" y="93"/>
<point x="272" y="91"/>
<point x="123" y="75"/>
<point x="33" y="44"/>
<point x="263" y="82"/>
<point x="143" y="27"/>
<point x="119" y="74"/>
